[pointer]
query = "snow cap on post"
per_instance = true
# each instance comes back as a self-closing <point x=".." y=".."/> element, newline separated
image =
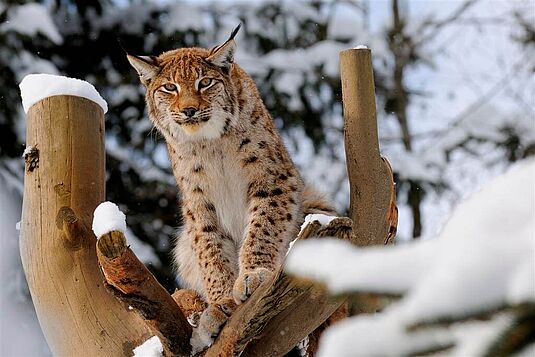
<point x="106" y="218"/>
<point x="36" y="87"/>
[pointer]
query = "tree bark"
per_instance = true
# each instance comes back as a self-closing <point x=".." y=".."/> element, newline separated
<point x="371" y="201"/>
<point x="133" y="284"/>
<point x="64" y="182"/>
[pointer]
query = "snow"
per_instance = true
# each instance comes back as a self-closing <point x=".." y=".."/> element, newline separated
<point x="323" y="219"/>
<point x="200" y="339"/>
<point x="36" y="87"/>
<point x="413" y="166"/>
<point x="27" y="151"/>
<point x="346" y="268"/>
<point x="378" y="335"/>
<point x="106" y="218"/>
<point x="482" y="261"/>
<point x="20" y="333"/>
<point x="151" y="348"/>
<point x="303" y="346"/>
<point x="487" y="243"/>
<point x="469" y="339"/>
<point x="484" y="244"/>
<point x="361" y="47"/>
<point x="30" y="19"/>
<point x="183" y="17"/>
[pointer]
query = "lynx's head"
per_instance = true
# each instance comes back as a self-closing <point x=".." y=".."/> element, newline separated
<point x="191" y="92"/>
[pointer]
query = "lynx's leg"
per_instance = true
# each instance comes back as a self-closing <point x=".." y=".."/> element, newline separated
<point x="208" y="259"/>
<point x="274" y="212"/>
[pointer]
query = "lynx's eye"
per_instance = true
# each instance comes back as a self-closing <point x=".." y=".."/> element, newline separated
<point x="205" y="83"/>
<point x="169" y="87"/>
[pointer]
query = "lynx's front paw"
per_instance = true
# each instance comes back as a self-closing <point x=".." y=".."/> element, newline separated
<point x="248" y="282"/>
<point x="210" y="324"/>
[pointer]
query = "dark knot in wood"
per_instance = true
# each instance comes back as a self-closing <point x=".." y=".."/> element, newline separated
<point x="31" y="159"/>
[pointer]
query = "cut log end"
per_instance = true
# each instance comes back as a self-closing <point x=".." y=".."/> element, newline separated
<point x="112" y="244"/>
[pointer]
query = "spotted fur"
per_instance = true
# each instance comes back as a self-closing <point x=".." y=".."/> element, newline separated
<point x="242" y="195"/>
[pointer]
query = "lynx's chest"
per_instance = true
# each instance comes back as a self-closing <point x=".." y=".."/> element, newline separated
<point x="217" y="171"/>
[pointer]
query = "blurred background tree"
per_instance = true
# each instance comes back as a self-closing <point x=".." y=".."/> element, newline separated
<point x="454" y="85"/>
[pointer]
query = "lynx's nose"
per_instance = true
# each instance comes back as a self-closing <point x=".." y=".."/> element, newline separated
<point x="189" y="112"/>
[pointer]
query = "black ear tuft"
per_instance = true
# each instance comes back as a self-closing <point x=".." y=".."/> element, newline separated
<point x="223" y="55"/>
<point x="234" y="32"/>
<point x="121" y="44"/>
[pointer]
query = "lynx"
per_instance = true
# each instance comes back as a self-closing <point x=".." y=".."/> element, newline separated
<point x="243" y="199"/>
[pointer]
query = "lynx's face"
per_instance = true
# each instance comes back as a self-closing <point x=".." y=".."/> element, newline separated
<point x="190" y="95"/>
<point x="189" y="91"/>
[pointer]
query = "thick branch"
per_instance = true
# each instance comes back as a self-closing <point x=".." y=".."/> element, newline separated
<point x="133" y="284"/>
<point x="281" y="312"/>
<point x="371" y="184"/>
<point x="64" y="182"/>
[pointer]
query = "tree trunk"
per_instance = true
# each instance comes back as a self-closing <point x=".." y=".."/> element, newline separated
<point x="369" y="176"/>
<point x="401" y="52"/>
<point x="64" y="182"/>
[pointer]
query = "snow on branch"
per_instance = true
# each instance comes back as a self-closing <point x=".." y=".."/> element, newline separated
<point x="151" y="348"/>
<point x="481" y="263"/>
<point x="31" y="19"/>
<point x="106" y="218"/>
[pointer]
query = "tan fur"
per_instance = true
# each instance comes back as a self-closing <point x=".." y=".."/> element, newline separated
<point x="243" y="198"/>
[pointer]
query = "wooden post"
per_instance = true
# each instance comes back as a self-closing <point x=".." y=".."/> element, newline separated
<point x="64" y="182"/>
<point x="372" y="196"/>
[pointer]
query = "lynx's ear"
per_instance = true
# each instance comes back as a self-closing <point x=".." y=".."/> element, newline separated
<point x="146" y="66"/>
<point x="223" y="55"/>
